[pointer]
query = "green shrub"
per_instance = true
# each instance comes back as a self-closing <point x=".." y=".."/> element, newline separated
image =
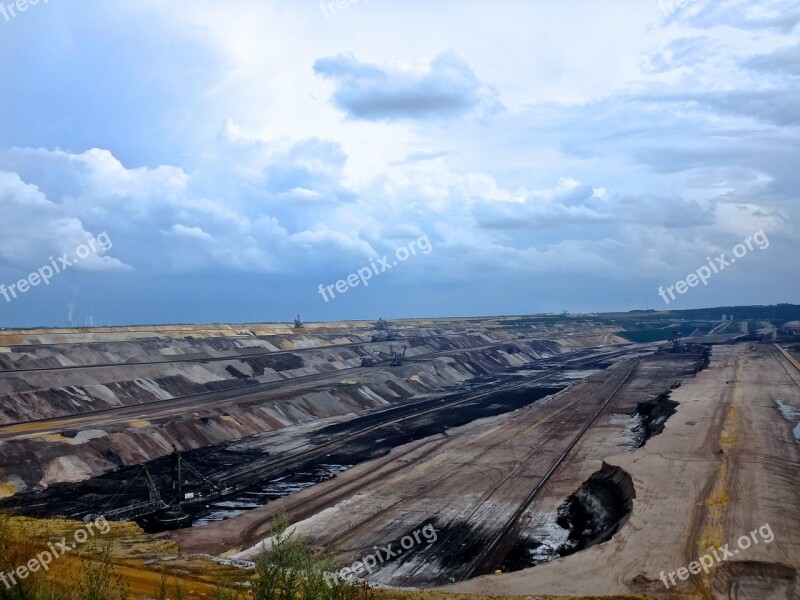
<point x="288" y="569"/>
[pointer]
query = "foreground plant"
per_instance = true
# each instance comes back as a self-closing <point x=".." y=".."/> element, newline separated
<point x="288" y="569"/>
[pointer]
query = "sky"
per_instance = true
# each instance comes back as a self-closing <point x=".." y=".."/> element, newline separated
<point x="232" y="161"/>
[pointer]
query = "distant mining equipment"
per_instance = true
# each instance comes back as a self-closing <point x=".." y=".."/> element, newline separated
<point x="385" y="331"/>
<point x="298" y="324"/>
<point x="677" y="345"/>
<point x="788" y="334"/>
<point x="769" y="337"/>
<point x="395" y="357"/>
<point x="369" y="361"/>
<point x="159" y="514"/>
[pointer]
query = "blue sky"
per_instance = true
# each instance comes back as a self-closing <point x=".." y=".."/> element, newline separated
<point x="559" y="155"/>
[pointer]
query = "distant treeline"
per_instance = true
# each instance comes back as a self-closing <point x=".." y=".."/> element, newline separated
<point x="778" y="313"/>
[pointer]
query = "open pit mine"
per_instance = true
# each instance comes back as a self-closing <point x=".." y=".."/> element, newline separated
<point x="569" y="456"/>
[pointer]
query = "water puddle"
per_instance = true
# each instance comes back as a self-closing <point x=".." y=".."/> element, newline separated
<point x="790" y="413"/>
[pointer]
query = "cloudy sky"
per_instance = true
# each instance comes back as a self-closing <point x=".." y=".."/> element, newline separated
<point x="557" y="154"/>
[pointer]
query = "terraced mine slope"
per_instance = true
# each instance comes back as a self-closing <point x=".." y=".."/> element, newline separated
<point x="542" y="455"/>
<point x="72" y="408"/>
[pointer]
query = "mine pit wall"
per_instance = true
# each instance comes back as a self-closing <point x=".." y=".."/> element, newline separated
<point x="34" y="463"/>
<point x="147" y="350"/>
<point x="32" y="395"/>
<point x="82" y="335"/>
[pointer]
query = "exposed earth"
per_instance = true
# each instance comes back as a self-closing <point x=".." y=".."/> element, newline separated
<point x="551" y="455"/>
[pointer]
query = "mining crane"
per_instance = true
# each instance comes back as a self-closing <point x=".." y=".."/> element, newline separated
<point x="396" y="358"/>
<point x="157" y="514"/>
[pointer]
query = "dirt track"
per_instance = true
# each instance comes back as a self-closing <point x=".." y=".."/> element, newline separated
<point x="689" y="496"/>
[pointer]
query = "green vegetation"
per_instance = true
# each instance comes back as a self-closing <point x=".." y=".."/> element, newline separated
<point x="98" y="581"/>
<point x="289" y="569"/>
<point x="660" y="332"/>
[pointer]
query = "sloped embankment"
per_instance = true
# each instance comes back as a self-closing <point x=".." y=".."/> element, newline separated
<point x="82" y="452"/>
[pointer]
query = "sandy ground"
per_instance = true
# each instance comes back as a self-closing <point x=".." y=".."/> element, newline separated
<point x="690" y="497"/>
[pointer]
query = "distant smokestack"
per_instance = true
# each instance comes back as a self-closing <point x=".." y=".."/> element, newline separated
<point x="71" y="313"/>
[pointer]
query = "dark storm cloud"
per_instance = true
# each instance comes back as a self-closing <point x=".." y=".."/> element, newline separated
<point x="783" y="61"/>
<point x="364" y="91"/>
<point x="581" y="206"/>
